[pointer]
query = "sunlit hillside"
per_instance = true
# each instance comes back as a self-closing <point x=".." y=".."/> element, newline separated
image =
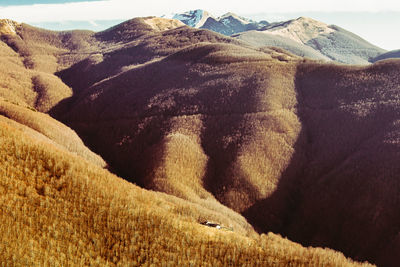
<point x="47" y="129"/>
<point x="57" y="209"/>
<point x="26" y="71"/>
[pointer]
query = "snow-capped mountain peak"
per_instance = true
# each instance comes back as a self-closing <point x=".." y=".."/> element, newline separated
<point x="227" y="24"/>
<point x="231" y="16"/>
<point x="194" y="18"/>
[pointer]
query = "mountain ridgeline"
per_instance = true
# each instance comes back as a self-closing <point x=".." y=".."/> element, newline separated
<point x="208" y="127"/>
<point x="387" y="55"/>
<point x="303" y="36"/>
<point x="226" y="24"/>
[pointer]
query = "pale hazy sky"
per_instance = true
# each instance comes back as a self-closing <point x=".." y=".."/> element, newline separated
<point x="378" y="21"/>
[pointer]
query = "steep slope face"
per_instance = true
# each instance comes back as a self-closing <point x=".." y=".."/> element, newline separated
<point x="332" y="41"/>
<point x="263" y="38"/>
<point x="227" y="24"/>
<point x="349" y="181"/>
<point x="59" y="210"/>
<point x="29" y="56"/>
<point x="29" y="87"/>
<point x="390" y="54"/>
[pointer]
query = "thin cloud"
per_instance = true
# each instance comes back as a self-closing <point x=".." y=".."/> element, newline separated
<point x="125" y="9"/>
<point x="93" y="23"/>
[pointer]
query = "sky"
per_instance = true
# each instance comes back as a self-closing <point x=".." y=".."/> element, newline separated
<point x="377" y="21"/>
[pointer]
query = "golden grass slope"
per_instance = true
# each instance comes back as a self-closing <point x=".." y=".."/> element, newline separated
<point x="28" y="86"/>
<point x="59" y="210"/>
<point x="8" y="26"/>
<point x="41" y="125"/>
<point x="29" y="58"/>
<point x="162" y="24"/>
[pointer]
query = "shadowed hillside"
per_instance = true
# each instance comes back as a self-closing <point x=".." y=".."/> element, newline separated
<point x="144" y="48"/>
<point x="349" y="178"/>
<point x="163" y="110"/>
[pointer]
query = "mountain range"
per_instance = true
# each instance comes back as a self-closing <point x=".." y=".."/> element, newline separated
<point x="201" y="127"/>
<point x="303" y="36"/>
<point x="226" y="24"/>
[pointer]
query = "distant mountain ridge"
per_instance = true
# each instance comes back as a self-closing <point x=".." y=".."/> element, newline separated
<point x="193" y="18"/>
<point x="330" y="41"/>
<point x="387" y="55"/>
<point x="226" y="24"/>
<point x="303" y="36"/>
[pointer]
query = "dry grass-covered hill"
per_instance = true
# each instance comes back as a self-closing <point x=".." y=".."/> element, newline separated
<point x="47" y="129"/>
<point x="57" y="209"/>
<point x="300" y="148"/>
